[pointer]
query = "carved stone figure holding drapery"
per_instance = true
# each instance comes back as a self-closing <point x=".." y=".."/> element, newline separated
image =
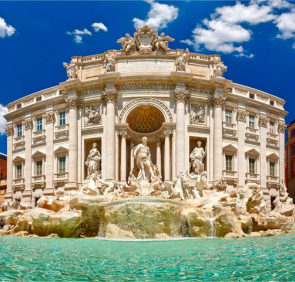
<point x="197" y="156"/>
<point x="93" y="161"/>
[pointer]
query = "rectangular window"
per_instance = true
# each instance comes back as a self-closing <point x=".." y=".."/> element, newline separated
<point x="39" y="99"/>
<point x="19" y="106"/>
<point x="39" y="168"/>
<point x="229" y="162"/>
<point x="272" y="169"/>
<point x="252" y="165"/>
<point x="19" y="172"/>
<point x="293" y="150"/>
<point x="271" y="102"/>
<point x="19" y="130"/>
<point x="62" y="118"/>
<point x="39" y="124"/>
<point x="252" y="121"/>
<point x="251" y="96"/>
<point x="228" y="116"/>
<point x="62" y="164"/>
<point x="272" y="127"/>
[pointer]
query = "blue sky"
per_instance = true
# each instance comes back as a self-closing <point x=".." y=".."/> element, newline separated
<point x="256" y="40"/>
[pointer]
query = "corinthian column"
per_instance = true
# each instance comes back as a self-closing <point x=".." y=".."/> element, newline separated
<point x="241" y="169"/>
<point x="217" y="103"/>
<point x="131" y="157"/>
<point x="9" y="131"/>
<point x="281" y="128"/>
<point x="110" y="98"/>
<point x="181" y="97"/>
<point x="49" y="119"/>
<point x="263" y="120"/>
<point x="167" y="156"/>
<point x="73" y="104"/>
<point x="28" y="125"/>
<point x="158" y="141"/>
<point x="123" y="135"/>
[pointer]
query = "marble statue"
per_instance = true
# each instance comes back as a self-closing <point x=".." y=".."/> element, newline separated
<point x="180" y="62"/>
<point x="255" y="203"/>
<point x="71" y="70"/>
<point x="197" y="156"/>
<point x="128" y="43"/>
<point x="92" y="116"/>
<point x="108" y="187"/>
<point x="220" y="68"/>
<point x="200" y="184"/>
<point x="143" y="160"/>
<point x="146" y="40"/>
<point x="93" y="161"/>
<point x="162" y="42"/>
<point x="283" y="204"/>
<point x="109" y="62"/>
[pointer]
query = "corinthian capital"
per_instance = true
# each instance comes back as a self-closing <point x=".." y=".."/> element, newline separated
<point x="9" y="130"/>
<point x="181" y="95"/>
<point x="263" y="120"/>
<point x="241" y="115"/>
<point x="73" y="103"/>
<point x="217" y="102"/>
<point x="49" y="117"/>
<point x="110" y="95"/>
<point x="28" y="123"/>
<point x="282" y="126"/>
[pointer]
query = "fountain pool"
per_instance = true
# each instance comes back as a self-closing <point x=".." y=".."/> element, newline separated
<point x="195" y="259"/>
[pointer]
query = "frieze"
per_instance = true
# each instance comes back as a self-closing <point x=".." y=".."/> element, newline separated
<point x="204" y="90"/>
<point x="10" y="109"/>
<point x="49" y="94"/>
<point x="262" y="98"/>
<point x="28" y="101"/>
<point x="241" y="91"/>
<point x="280" y="105"/>
<point x="142" y="86"/>
<point x="91" y="91"/>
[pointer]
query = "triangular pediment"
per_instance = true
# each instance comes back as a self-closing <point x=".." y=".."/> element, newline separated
<point x="38" y="154"/>
<point x="230" y="147"/>
<point x="253" y="152"/>
<point x="273" y="156"/>
<point x="18" y="159"/>
<point x="61" y="150"/>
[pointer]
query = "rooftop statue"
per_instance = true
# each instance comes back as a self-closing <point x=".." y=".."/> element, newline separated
<point x="71" y="70"/>
<point x="109" y="62"/>
<point x="220" y="68"/>
<point x="181" y="61"/>
<point x="146" y="40"/>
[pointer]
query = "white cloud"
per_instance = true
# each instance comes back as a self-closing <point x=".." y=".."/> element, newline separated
<point x="6" y="30"/>
<point x="3" y="111"/>
<point x="78" y="34"/>
<point x="224" y="32"/>
<point x="159" y="15"/>
<point x="244" y="55"/>
<point x="286" y="25"/>
<point x="219" y="36"/>
<point x="99" y="26"/>
<point x="252" y="14"/>
<point x="293" y="46"/>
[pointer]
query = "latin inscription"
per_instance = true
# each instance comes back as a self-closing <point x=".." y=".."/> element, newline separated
<point x="145" y="66"/>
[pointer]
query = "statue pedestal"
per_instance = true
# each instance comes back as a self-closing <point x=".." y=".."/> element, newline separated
<point x="145" y="188"/>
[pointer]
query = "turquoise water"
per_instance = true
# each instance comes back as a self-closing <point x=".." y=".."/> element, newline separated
<point x="246" y="259"/>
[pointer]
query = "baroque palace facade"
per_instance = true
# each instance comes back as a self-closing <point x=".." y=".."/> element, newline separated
<point x="172" y="97"/>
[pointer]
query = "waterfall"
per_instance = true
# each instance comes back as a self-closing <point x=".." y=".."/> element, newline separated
<point x="250" y="226"/>
<point x="212" y="231"/>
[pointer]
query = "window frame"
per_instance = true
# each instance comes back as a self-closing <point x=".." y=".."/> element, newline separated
<point x="39" y="172"/>
<point x="229" y="163"/>
<point x="62" y="118"/>
<point x="64" y="168"/>
<point x="252" y="165"/>
<point x="38" y="125"/>
<point x="19" y="130"/>
<point x="251" y="122"/>
<point x="19" y="172"/>
<point x="272" y="168"/>
<point x="228" y="116"/>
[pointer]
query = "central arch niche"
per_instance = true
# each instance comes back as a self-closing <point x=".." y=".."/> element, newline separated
<point x="145" y="119"/>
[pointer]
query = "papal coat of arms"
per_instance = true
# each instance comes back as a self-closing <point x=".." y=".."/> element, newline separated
<point x="146" y="40"/>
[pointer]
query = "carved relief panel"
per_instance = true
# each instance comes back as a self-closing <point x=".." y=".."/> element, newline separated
<point x="92" y="114"/>
<point x="198" y="113"/>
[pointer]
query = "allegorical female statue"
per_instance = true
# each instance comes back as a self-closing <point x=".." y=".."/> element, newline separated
<point x="93" y="161"/>
<point x="197" y="156"/>
<point x="143" y="160"/>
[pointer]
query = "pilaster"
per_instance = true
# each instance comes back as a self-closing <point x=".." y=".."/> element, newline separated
<point x="167" y="134"/>
<point x="9" y="130"/>
<point x="281" y="128"/>
<point x="263" y="120"/>
<point x="242" y="168"/>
